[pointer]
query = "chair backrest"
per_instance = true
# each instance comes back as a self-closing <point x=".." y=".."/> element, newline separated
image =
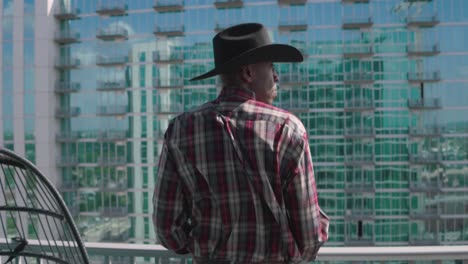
<point x="35" y="224"/>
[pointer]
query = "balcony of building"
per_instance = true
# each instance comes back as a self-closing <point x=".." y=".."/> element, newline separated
<point x="420" y="242"/>
<point x="292" y="25"/>
<point x="112" y="186"/>
<point x="425" y="186"/>
<point x="424" y="103"/>
<point x="111" y="85"/>
<point x="428" y="77"/>
<point x="113" y="33"/>
<point x="360" y="160"/>
<point x="221" y="4"/>
<point x="171" y="58"/>
<point x="354" y="1"/>
<point x="112" y="8"/>
<point x="169" y="31"/>
<point x="67" y="112"/>
<point x="359" y="214"/>
<point x="427" y="131"/>
<point x="425" y="213"/>
<point x="294" y="79"/>
<point x="358" y="78"/>
<point x="111" y="110"/>
<point x="112" y="136"/>
<point x="425" y="158"/>
<point x="66" y="37"/>
<point x="67" y="136"/>
<point x="359" y="105"/>
<point x="114" y="211"/>
<point x="357" y="22"/>
<point x="109" y="61"/>
<point x="67" y="161"/>
<point x="358" y="51"/>
<point x="111" y="161"/>
<point x="169" y="109"/>
<point x="64" y="87"/>
<point x="422" y="49"/>
<point x="67" y="62"/>
<point x="163" y="6"/>
<point x="422" y="21"/>
<point x="66" y="13"/>
<point x="360" y="187"/>
<point x="168" y="83"/>
<point x="359" y="132"/>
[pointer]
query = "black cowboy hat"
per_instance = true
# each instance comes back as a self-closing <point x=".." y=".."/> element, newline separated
<point x="245" y="44"/>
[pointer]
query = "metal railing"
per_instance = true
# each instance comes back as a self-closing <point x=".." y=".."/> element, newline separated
<point x="424" y="76"/>
<point x="111" y="85"/>
<point x="111" y="60"/>
<point x="67" y="87"/>
<point x="112" y="32"/>
<point x="424" y="103"/>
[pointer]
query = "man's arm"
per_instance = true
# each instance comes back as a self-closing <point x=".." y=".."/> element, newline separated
<point x="170" y="216"/>
<point x="307" y="223"/>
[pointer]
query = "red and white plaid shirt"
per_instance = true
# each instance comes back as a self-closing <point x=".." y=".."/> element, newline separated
<point x="236" y="184"/>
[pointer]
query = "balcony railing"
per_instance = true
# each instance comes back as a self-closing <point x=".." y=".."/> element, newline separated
<point x="106" y="253"/>
<point x="115" y="85"/>
<point x="228" y="3"/>
<point x="112" y="8"/>
<point x="360" y="160"/>
<point x="113" y="186"/>
<point x="425" y="213"/>
<point x="294" y="79"/>
<point x="67" y="87"/>
<point x="423" y="49"/>
<point x="424" y="103"/>
<point x="66" y="112"/>
<point x="112" y="135"/>
<point x="169" y="109"/>
<point x="171" y="83"/>
<point x="359" y="132"/>
<point x="114" y="211"/>
<point x="111" y="110"/>
<point x="358" y="51"/>
<point x="357" y="22"/>
<point x="64" y="63"/>
<point x="425" y="158"/>
<point x="111" y="61"/>
<point x="429" y="131"/>
<point x="169" y="31"/>
<point x="176" y="57"/>
<point x="112" y="33"/>
<point x="112" y="236"/>
<point x="292" y="25"/>
<point x="360" y="214"/>
<point x="359" y="105"/>
<point x="168" y="6"/>
<point x="425" y="186"/>
<point x="67" y="13"/>
<point x="112" y="161"/>
<point x="292" y="2"/>
<point x="424" y="76"/>
<point x="67" y="136"/>
<point x="358" y="78"/>
<point x="360" y="187"/>
<point x="422" y="21"/>
<point x="66" y="37"/>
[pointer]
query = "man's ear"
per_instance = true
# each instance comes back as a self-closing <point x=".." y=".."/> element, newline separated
<point x="246" y="74"/>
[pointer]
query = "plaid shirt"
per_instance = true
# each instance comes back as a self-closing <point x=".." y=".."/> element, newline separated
<point x="235" y="184"/>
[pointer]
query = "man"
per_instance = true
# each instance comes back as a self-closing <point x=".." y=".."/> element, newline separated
<point x="235" y="182"/>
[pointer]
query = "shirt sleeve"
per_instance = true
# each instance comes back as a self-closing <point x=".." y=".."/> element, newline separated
<point x="170" y="215"/>
<point x="307" y="223"/>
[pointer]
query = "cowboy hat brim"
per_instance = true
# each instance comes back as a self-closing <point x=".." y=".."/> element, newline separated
<point x="270" y="52"/>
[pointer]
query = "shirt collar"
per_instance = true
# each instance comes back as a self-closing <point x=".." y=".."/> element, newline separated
<point x="235" y="94"/>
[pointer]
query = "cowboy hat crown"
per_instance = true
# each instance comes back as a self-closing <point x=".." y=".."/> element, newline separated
<point x="245" y="44"/>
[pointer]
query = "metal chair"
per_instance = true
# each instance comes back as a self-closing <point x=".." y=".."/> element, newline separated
<point x="35" y="224"/>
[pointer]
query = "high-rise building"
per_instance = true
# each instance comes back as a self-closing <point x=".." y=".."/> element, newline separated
<point x="87" y="88"/>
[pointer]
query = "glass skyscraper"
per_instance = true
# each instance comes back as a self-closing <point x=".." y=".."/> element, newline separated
<point x="87" y="88"/>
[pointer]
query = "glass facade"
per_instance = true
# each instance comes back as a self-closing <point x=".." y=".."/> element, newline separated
<point x="382" y="93"/>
